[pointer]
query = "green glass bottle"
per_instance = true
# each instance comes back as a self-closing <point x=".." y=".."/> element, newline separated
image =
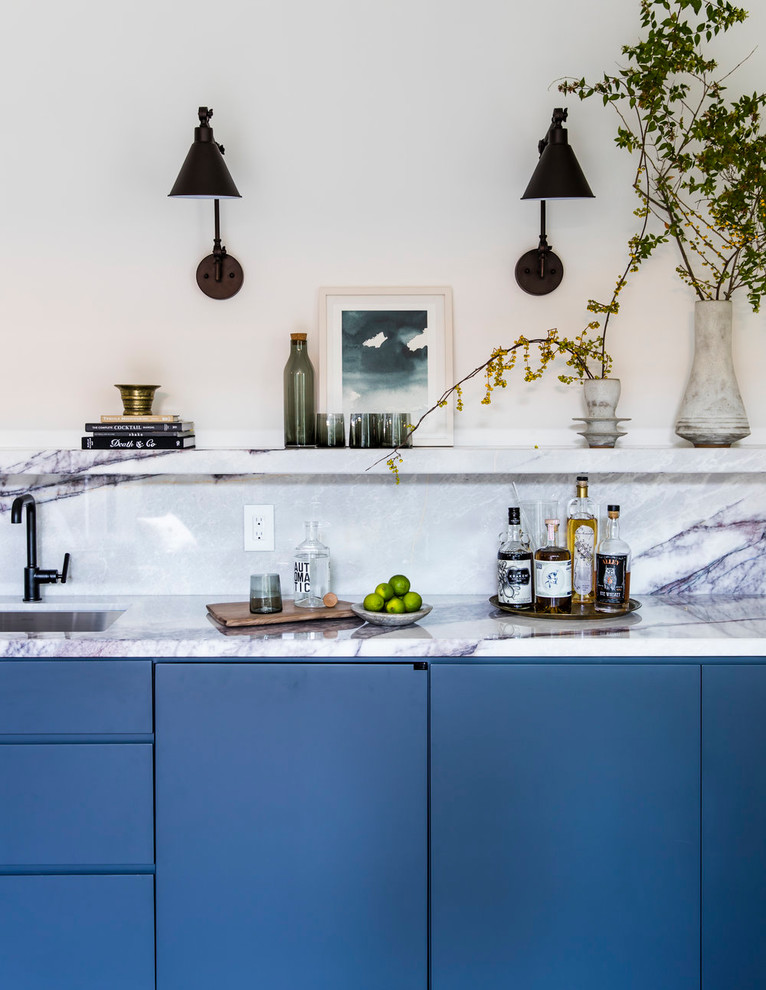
<point x="300" y="406"/>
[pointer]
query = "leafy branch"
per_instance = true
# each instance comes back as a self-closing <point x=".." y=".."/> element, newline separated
<point x="701" y="160"/>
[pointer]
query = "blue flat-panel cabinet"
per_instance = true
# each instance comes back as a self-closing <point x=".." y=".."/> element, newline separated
<point x="291" y="826"/>
<point x="76" y="932"/>
<point x="88" y="804"/>
<point x="733" y="827"/>
<point x="565" y="809"/>
<point x="76" y="825"/>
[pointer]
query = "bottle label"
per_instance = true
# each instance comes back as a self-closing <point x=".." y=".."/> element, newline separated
<point x="553" y="578"/>
<point x="582" y="560"/>
<point x="514" y="582"/>
<point x="302" y="578"/>
<point x="611" y="578"/>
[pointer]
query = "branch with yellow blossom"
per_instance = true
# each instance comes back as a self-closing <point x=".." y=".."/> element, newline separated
<point x="498" y="364"/>
<point x="586" y="349"/>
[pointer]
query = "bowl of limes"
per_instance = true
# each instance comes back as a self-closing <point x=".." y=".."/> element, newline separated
<point x="392" y="603"/>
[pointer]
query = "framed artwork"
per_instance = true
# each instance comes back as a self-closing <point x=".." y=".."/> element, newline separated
<point x="388" y="350"/>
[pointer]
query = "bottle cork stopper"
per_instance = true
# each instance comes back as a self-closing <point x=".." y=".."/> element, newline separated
<point x="330" y="599"/>
<point x="298" y="336"/>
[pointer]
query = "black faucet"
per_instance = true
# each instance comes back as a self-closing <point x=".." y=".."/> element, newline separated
<point x="34" y="576"/>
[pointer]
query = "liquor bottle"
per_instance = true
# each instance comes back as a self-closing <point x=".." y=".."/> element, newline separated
<point x="612" y="567"/>
<point x="553" y="574"/>
<point x="514" y="566"/>
<point x="299" y="403"/>
<point x="582" y="539"/>
<point x="311" y="571"/>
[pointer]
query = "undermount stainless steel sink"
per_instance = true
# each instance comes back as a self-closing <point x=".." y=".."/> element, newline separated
<point x="57" y="618"/>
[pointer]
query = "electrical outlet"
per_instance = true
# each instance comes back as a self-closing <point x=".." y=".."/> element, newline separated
<point x="259" y="527"/>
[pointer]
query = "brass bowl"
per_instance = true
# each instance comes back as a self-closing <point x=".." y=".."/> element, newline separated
<point x="137" y="399"/>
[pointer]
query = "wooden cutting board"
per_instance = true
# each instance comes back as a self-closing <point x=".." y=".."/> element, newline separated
<point x="233" y="614"/>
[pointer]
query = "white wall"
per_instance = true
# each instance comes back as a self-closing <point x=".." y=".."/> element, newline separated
<point x="373" y="143"/>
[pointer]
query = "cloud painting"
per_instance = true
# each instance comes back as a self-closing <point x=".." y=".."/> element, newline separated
<point x="385" y="360"/>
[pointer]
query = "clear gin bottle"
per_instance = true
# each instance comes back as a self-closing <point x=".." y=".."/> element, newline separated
<point x="311" y="571"/>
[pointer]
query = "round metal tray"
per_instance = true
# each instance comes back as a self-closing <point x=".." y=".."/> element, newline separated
<point x="578" y="611"/>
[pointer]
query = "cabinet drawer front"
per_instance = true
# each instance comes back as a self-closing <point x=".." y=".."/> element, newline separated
<point x="76" y="805"/>
<point x="77" y="933"/>
<point x="75" y="696"/>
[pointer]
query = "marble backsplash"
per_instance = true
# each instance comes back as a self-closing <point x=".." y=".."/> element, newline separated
<point x="174" y="534"/>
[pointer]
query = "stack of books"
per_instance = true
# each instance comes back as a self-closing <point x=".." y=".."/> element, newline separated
<point x="152" y="432"/>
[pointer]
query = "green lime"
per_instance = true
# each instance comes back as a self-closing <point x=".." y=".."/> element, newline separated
<point x="400" y="584"/>
<point x="385" y="591"/>
<point x="373" y="603"/>
<point x="395" y="606"/>
<point x="412" y="601"/>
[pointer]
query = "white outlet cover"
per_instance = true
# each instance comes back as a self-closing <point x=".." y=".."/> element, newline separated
<point x="259" y="527"/>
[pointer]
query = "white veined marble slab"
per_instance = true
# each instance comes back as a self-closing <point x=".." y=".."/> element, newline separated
<point x="465" y="628"/>
<point x="417" y="460"/>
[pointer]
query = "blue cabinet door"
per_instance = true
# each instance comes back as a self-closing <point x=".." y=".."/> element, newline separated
<point x="76" y="933"/>
<point x="565" y="827"/>
<point x="291" y="829"/>
<point x="733" y="827"/>
<point x="79" y="805"/>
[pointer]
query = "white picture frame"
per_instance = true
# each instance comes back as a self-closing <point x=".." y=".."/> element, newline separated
<point x="388" y="349"/>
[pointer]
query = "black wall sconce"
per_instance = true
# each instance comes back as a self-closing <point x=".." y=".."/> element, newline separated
<point x="204" y="175"/>
<point x="557" y="176"/>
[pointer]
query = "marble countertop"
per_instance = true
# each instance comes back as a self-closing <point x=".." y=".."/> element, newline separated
<point x="156" y="626"/>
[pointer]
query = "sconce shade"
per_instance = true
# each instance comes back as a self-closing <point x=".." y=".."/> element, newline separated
<point x="558" y="174"/>
<point x="204" y="174"/>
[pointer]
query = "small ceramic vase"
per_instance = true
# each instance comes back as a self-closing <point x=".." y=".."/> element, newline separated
<point x="601" y="397"/>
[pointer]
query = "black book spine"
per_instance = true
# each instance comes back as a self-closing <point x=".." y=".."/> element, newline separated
<point x="121" y="442"/>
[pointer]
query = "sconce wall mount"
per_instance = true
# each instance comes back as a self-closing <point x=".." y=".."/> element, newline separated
<point x="204" y="175"/>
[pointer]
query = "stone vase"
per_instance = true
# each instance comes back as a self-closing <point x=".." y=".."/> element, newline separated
<point x="712" y="413"/>
<point x="601" y="424"/>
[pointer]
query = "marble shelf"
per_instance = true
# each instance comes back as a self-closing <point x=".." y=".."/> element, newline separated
<point x="454" y="461"/>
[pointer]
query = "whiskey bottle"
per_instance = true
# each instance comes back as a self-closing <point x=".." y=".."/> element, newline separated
<point x="553" y="574"/>
<point x="514" y="566"/>
<point x="582" y="539"/>
<point x="612" y="567"/>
